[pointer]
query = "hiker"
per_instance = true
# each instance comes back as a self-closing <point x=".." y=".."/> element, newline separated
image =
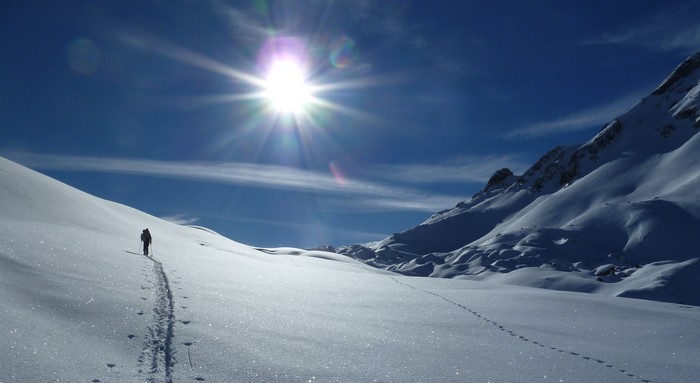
<point x="146" y="239"/>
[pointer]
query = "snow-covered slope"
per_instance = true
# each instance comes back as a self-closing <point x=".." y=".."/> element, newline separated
<point x="79" y="304"/>
<point x="618" y="215"/>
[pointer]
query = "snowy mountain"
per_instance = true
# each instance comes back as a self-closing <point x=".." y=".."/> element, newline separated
<point x="618" y="215"/>
<point x="79" y="303"/>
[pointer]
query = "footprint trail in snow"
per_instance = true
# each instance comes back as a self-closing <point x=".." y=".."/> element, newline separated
<point x="598" y="362"/>
<point x="158" y="354"/>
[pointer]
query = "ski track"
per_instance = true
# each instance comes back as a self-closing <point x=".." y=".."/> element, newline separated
<point x="586" y="358"/>
<point x="158" y="354"/>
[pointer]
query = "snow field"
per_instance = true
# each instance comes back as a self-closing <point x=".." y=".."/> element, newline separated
<point x="79" y="303"/>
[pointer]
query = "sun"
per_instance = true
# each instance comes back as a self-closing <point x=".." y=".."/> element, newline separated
<point x="286" y="88"/>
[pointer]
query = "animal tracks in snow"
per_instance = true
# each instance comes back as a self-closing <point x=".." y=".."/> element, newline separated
<point x="525" y="339"/>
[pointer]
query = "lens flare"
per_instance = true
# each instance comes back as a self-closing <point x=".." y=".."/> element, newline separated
<point x="343" y="52"/>
<point x="337" y="173"/>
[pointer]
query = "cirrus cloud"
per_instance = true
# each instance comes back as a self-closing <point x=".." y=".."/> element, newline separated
<point x="362" y="195"/>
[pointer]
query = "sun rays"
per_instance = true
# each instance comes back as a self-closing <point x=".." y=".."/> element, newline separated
<point x="290" y="101"/>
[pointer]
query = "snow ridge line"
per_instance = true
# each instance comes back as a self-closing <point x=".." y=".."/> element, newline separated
<point x="514" y="334"/>
<point x="158" y="354"/>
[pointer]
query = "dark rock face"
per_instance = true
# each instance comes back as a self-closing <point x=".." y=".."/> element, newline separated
<point x="357" y="251"/>
<point x="603" y="139"/>
<point x="666" y="130"/>
<point x="686" y="113"/>
<point x="499" y="177"/>
<point x="683" y="70"/>
<point x="566" y="177"/>
<point x="591" y="150"/>
<point x="543" y="169"/>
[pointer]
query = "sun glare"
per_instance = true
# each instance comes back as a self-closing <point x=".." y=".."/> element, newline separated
<point x="286" y="88"/>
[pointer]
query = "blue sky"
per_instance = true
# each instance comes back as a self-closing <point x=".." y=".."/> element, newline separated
<point x="160" y="105"/>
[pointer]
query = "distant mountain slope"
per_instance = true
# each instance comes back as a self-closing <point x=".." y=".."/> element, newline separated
<point x="619" y="215"/>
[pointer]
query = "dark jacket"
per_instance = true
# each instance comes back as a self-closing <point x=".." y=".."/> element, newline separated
<point x="146" y="237"/>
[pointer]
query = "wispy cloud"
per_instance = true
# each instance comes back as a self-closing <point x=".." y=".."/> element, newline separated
<point x="243" y="25"/>
<point x="181" y="219"/>
<point x="581" y="120"/>
<point x="356" y="192"/>
<point x="458" y="170"/>
<point x="674" y="28"/>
